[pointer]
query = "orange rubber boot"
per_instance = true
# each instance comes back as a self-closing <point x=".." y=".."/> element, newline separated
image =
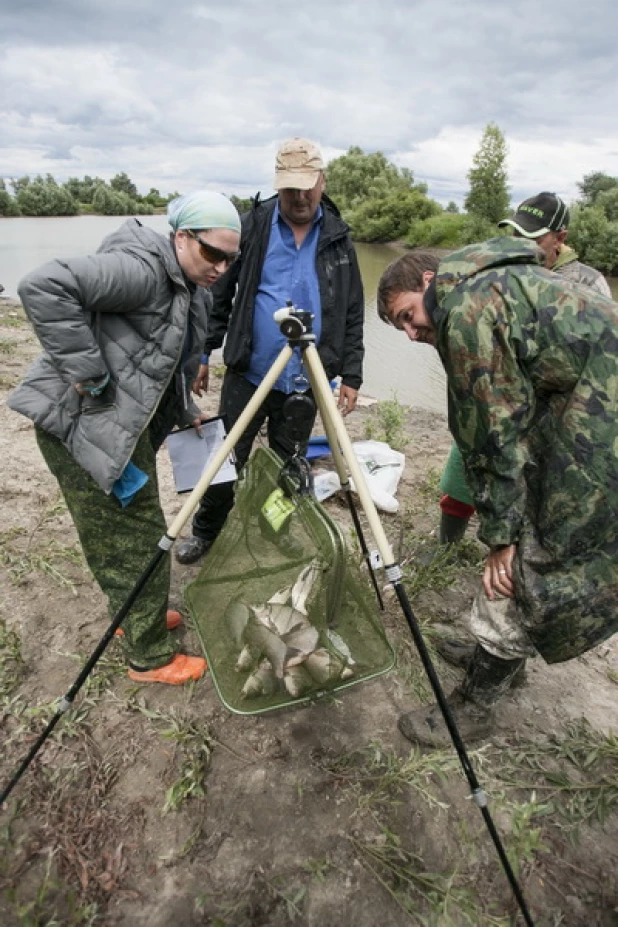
<point x="181" y="669"/>
<point x="173" y="620"/>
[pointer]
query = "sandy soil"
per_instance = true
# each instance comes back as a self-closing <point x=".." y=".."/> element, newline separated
<point x="154" y="805"/>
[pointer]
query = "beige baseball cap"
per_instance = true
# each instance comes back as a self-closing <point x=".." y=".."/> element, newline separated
<point x="298" y="165"/>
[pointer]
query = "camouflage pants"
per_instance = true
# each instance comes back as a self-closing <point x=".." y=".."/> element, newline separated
<point x="118" y="545"/>
<point x="498" y="629"/>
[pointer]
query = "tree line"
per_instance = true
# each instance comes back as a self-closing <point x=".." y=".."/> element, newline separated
<point x="380" y="201"/>
<point x="44" y="196"/>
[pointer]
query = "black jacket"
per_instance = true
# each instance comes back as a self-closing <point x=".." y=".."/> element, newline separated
<point x="341" y="294"/>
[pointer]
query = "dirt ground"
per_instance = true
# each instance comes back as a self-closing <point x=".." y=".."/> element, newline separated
<point x="154" y="805"/>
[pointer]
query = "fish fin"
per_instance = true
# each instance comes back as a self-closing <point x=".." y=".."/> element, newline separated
<point x="303" y="585"/>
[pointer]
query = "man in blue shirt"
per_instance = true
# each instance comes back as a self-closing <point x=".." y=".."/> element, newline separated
<point x="294" y="246"/>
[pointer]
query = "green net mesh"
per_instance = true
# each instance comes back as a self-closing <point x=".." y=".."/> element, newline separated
<point x="283" y="611"/>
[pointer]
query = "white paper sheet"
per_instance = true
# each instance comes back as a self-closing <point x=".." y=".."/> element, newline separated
<point x="190" y="454"/>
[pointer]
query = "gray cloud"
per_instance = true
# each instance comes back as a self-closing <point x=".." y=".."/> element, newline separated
<point x="192" y="93"/>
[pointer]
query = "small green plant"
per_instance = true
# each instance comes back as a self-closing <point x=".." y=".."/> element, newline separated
<point x="11" y="662"/>
<point x="432" y="899"/>
<point x="317" y="869"/>
<point x="195" y="750"/>
<point x="376" y="777"/>
<point x="438" y="566"/>
<point x="50" y="909"/>
<point x="525" y="840"/>
<point x="577" y="774"/>
<point x="12" y="319"/>
<point x="7" y="347"/>
<point x="388" y="424"/>
<point x="39" y="554"/>
<point x="49" y="561"/>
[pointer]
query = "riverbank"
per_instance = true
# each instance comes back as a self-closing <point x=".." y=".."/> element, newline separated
<point x="155" y="805"/>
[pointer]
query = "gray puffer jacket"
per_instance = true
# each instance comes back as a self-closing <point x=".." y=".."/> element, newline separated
<point x="125" y="310"/>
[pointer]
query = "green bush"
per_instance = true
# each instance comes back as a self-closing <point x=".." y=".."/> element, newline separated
<point x="388" y="218"/>
<point x="441" y="231"/>
<point x="594" y="237"/>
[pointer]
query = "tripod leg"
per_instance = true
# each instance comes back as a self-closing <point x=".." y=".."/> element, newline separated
<point x="164" y="545"/>
<point x="342" y="472"/>
<point x="331" y="417"/>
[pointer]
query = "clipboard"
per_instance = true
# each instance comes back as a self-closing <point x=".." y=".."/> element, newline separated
<point x="190" y="454"/>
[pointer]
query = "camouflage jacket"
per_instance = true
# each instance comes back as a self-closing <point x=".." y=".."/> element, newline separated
<point x="532" y="367"/>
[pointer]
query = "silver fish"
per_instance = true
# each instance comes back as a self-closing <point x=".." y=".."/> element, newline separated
<point x="303" y="585"/>
<point x="247" y="659"/>
<point x="297" y="681"/>
<point x="297" y="595"/>
<point x="236" y="616"/>
<point x="261" y="682"/>
<point x="262" y="639"/>
<point x="280" y="618"/>
<point x="340" y="646"/>
<point x="325" y="667"/>
<point x="300" y="644"/>
<point x="279" y="630"/>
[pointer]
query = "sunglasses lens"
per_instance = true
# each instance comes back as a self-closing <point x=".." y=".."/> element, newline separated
<point x="215" y="255"/>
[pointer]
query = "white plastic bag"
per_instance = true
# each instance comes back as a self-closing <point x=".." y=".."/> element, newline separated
<point x="325" y="484"/>
<point x="382" y="468"/>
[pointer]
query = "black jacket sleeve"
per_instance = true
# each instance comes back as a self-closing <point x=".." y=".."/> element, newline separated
<point x="354" y="350"/>
<point x="223" y="293"/>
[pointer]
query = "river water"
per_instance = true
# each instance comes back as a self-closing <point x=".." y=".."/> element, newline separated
<point x="394" y="367"/>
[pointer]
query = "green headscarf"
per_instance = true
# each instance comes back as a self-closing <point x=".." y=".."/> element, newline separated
<point x="203" y="210"/>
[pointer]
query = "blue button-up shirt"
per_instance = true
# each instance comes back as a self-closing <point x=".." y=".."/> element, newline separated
<point x="288" y="273"/>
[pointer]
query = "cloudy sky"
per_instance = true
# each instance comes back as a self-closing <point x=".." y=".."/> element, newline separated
<point x="186" y="94"/>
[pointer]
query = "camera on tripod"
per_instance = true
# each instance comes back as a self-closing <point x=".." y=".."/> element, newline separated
<point x="294" y="323"/>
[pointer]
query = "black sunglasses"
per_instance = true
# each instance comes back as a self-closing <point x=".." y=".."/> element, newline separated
<point x="214" y="255"/>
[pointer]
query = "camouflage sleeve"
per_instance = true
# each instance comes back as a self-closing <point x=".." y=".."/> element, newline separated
<point x="491" y="406"/>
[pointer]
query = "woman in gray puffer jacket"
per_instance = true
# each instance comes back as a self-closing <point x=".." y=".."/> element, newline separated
<point x="122" y="333"/>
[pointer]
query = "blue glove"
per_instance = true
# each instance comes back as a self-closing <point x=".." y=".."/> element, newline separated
<point x="129" y="484"/>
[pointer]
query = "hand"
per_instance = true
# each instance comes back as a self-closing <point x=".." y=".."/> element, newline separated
<point x="498" y="573"/>
<point x="94" y="387"/>
<point x="201" y="381"/>
<point x="202" y="417"/>
<point x="347" y="399"/>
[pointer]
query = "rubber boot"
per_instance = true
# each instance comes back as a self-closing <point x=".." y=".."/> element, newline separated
<point x="460" y="654"/>
<point x="488" y="678"/>
<point x="191" y="549"/>
<point x="452" y="528"/>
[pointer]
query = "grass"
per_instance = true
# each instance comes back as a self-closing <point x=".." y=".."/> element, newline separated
<point x="11" y="662"/>
<point x="538" y="792"/>
<point x="39" y="554"/>
<point x="7" y="348"/>
<point x="432" y="899"/>
<point x="375" y="776"/>
<point x="62" y="840"/>
<point x="388" y="423"/>
<point x="432" y="566"/>
<point x="8" y="382"/>
<point x="576" y="774"/>
<point x="12" y="314"/>
<point x="194" y="746"/>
